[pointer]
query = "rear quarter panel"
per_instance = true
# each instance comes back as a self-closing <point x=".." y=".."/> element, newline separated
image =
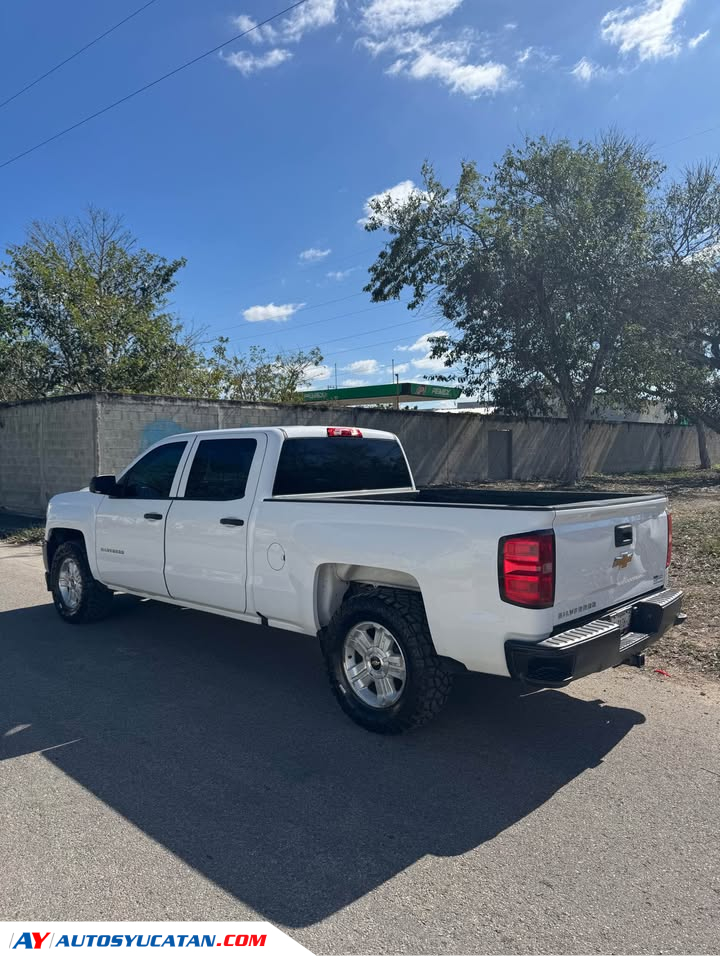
<point x="451" y="552"/>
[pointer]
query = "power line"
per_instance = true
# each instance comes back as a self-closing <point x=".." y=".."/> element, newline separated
<point x="350" y="336"/>
<point x="688" y="350"/>
<point x="363" y="333"/>
<point x="331" y="261"/>
<point x="690" y="136"/>
<point x="368" y="346"/>
<point x="152" y="83"/>
<point x="311" y="323"/>
<point x="77" y="53"/>
<point x="312" y="306"/>
<point x="422" y="316"/>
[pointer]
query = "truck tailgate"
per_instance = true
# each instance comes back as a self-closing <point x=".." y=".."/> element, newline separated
<point x="607" y="554"/>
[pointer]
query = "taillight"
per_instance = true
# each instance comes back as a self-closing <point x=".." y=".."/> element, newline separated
<point x="344" y="432"/>
<point x="526" y="569"/>
<point x="668" y="558"/>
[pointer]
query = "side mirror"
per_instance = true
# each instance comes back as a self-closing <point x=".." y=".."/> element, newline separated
<point x="105" y="485"/>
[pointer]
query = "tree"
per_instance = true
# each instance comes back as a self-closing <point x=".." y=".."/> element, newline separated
<point x="86" y="309"/>
<point x="257" y="375"/>
<point x="688" y="236"/>
<point x="548" y="266"/>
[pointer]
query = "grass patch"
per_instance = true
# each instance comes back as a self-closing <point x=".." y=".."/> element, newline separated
<point x="24" y="536"/>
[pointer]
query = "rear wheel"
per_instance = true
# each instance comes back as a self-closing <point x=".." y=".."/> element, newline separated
<point x="77" y="595"/>
<point x="381" y="662"/>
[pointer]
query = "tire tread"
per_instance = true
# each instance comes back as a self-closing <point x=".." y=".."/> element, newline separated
<point x="97" y="598"/>
<point x="432" y="680"/>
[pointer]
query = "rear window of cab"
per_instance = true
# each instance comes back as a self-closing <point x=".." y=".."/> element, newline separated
<point x="335" y="464"/>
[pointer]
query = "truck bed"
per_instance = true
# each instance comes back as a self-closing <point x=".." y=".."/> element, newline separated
<point x="501" y="499"/>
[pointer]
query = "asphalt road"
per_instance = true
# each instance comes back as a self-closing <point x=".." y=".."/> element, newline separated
<point x="168" y="765"/>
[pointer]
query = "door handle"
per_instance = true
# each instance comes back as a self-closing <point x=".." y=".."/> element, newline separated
<point x="153" y="516"/>
<point x="233" y="522"/>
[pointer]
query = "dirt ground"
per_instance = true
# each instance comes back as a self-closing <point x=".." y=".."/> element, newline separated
<point x="692" y="650"/>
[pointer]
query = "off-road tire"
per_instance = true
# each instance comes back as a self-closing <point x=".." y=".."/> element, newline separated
<point x="95" y="599"/>
<point x="428" y="683"/>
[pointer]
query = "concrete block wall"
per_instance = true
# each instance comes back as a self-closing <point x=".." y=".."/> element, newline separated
<point x="58" y="444"/>
<point x="45" y="448"/>
<point x="442" y="448"/>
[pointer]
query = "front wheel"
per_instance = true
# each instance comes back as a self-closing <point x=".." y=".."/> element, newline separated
<point x="381" y="662"/>
<point x="77" y="595"/>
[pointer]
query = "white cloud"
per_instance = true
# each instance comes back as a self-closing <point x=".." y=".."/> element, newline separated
<point x="340" y="274"/>
<point x="391" y="27"/>
<point x="423" y="57"/>
<point x="312" y="15"/>
<point x="708" y="254"/>
<point x="694" y="41"/>
<point x="400" y="368"/>
<point x="384" y="16"/>
<point x="585" y="70"/>
<point x="271" y="311"/>
<point x="426" y="363"/>
<point x="536" y="57"/>
<point x="312" y="254"/>
<point x="365" y="367"/>
<point x="525" y="55"/>
<point x="249" y="63"/>
<point x="648" y="28"/>
<point x="318" y="373"/>
<point x="471" y="79"/>
<point x="422" y="344"/>
<point x="352" y="382"/>
<point x="399" y="194"/>
<point x="245" y="23"/>
<point x="429" y="364"/>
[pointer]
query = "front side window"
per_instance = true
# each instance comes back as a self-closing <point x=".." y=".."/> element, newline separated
<point x="152" y="476"/>
<point x="220" y="469"/>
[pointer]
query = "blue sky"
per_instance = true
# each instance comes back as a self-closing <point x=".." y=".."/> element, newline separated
<point x="256" y="163"/>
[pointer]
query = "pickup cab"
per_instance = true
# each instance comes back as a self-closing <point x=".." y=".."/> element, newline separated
<point x="322" y="531"/>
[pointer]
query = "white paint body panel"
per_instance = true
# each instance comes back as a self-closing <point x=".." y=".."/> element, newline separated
<point x="289" y="562"/>
<point x="586" y="553"/>
<point x="206" y="561"/>
<point x="450" y="553"/>
<point x="129" y="548"/>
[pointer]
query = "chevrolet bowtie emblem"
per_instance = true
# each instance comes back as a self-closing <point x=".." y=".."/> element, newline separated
<point x="623" y="560"/>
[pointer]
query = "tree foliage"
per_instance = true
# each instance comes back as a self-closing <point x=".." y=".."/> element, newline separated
<point x="257" y="375"/>
<point x="553" y="272"/>
<point x="87" y="309"/>
<point x="688" y="234"/>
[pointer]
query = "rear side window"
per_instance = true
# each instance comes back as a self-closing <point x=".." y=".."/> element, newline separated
<point x="151" y="477"/>
<point x="332" y="464"/>
<point x="220" y="469"/>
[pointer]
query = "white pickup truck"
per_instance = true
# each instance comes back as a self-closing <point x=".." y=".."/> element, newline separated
<point x="321" y="530"/>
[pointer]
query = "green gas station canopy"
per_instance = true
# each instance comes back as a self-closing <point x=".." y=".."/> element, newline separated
<point x="382" y="393"/>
